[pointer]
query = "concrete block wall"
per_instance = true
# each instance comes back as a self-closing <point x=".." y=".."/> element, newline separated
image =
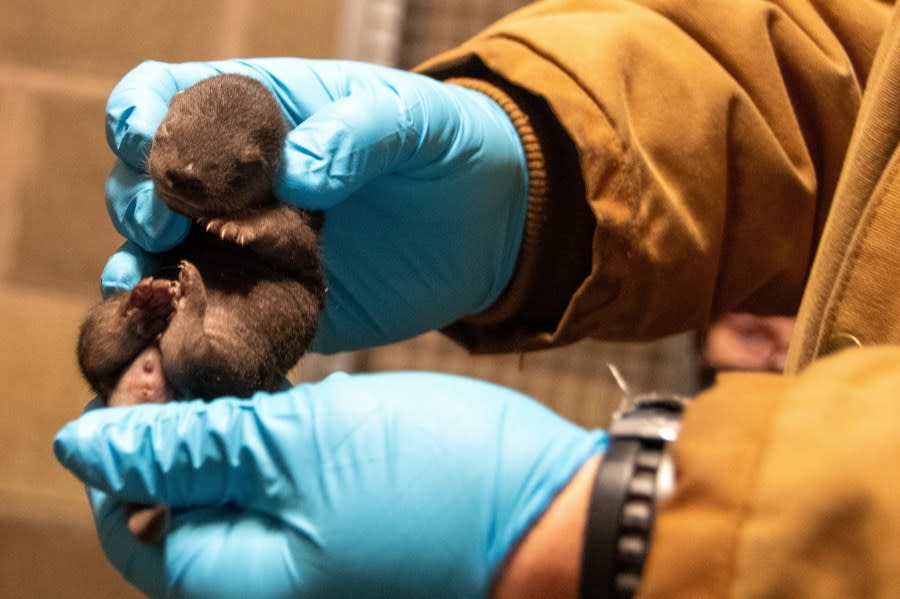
<point x="59" y="59"/>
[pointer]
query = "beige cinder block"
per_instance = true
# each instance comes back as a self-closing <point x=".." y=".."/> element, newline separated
<point x="107" y="37"/>
<point x="48" y="547"/>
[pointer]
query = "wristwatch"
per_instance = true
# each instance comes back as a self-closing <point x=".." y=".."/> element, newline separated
<point x="635" y="474"/>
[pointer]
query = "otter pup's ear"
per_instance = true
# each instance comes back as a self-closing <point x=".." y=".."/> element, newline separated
<point x="245" y="171"/>
<point x="251" y="157"/>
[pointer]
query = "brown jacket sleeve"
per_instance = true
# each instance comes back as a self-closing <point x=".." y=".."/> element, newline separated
<point x="787" y="487"/>
<point x="706" y="139"/>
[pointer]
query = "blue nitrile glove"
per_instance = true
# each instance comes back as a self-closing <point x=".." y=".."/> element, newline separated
<point x="392" y="485"/>
<point x="424" y="185"/>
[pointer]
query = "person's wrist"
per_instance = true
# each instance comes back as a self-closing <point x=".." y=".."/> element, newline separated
<point x="546" y="563"/>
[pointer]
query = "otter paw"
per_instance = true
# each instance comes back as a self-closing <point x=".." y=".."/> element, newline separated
<point x="150" y="305"/>
<point x="188" y="278"/>
<point x="191" y="294"/>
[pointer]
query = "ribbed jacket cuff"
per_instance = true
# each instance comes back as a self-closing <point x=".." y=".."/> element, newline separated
<point x="516" y="292"/>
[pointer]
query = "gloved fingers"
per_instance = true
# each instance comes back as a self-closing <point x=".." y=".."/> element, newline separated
<point x="183" y="453"/>
<point x="343" y="146"/>
<point x="142" y="564"/>
<point x="125" y="268"/>
<point x="138" y="214"/>
<point x="211" y="541"/>
<point x="222" y="552"/>
<point x="203" y="553"/>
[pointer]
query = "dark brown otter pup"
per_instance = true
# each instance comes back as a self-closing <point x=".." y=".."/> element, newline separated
<point x="231" y="309"/>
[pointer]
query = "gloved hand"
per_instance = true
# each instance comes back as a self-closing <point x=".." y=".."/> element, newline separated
<point x="393" y="485"/>
<point x="424" y="185"/>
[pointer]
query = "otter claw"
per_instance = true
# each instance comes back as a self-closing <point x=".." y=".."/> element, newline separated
<point x="238" y="232"/>
<point x="212" y="225"/>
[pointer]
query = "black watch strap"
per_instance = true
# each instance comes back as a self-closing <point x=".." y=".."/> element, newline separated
<point x="623" y="499"/>
<point x="620" y="519"/>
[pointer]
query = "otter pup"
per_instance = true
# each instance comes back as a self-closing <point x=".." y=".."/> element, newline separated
<point x="232" y="308"/>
